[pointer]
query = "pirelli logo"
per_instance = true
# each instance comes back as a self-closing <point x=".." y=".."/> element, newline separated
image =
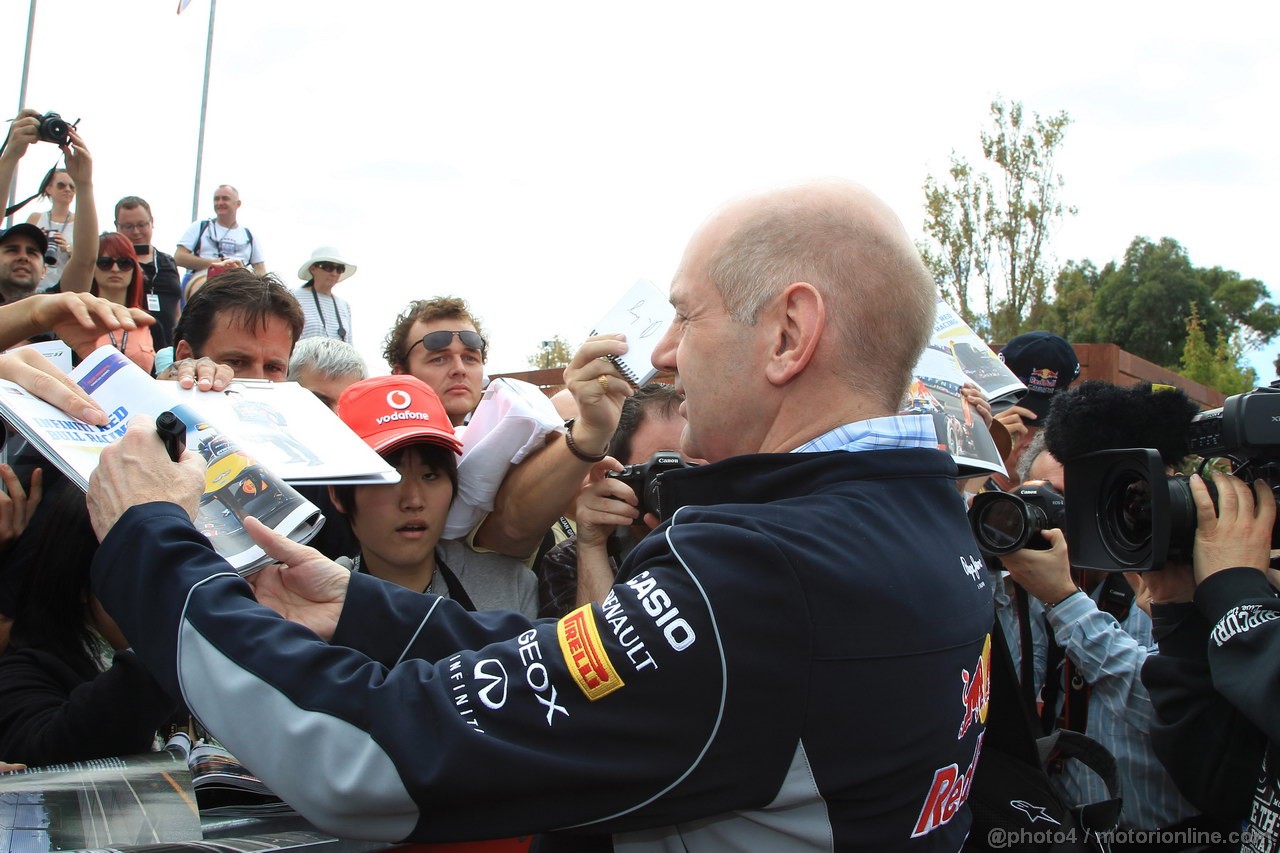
<point x="588" y="662"/>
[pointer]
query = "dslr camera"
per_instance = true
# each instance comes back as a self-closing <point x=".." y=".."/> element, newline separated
<point x="1004" y="522"/>
<point x="53" y="129"/>
<point x="1127" y="515"/>
<point x="645" y="478"/>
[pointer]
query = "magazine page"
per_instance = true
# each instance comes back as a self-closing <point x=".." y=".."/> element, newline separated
<point x="286" y="428"/>
<point x="236" y="487"/>
<point x="959" y="430"/>
<point x="108" y="802"/>
<point x="954" y="341"/>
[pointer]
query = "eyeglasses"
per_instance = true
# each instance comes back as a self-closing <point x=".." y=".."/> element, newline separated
<point x="328" y="267"/>
<point x="63" y="185"/>
<point x="105" y="264"/>
<point x="440" y="340"/>
<point x="135" y="226"/>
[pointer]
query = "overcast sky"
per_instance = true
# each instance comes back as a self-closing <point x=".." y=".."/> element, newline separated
<point x="536" y="159"/>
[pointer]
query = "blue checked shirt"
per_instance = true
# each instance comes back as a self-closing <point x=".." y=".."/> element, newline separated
<point x="1109" y="656"/>
<point x="876" y="434"/>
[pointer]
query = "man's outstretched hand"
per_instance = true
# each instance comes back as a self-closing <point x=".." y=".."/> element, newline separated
<point x="302" y="585"/>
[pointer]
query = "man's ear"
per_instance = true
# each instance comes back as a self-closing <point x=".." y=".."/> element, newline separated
<point x="182" y="350"/>
<point x="337" y="504"/>
<point x="798" y="317"/>
<point x="397" y="369"/>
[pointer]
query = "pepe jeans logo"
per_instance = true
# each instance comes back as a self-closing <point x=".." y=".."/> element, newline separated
<point x="399" y="399"/>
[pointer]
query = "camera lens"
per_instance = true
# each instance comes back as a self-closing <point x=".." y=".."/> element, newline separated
<point x="51" y="258"/>
<point x="1001" y="526"/>
<point x="1127" y="511"/>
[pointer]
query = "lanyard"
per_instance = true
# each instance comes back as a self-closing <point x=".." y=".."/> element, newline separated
<point x="342" y="333"/>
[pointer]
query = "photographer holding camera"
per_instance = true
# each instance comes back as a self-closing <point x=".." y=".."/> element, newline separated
<point x="23" y="246"/>
<point x="613" y="498"/>
<point x="1092" y="640"/>
<point x="1214" y="684"/>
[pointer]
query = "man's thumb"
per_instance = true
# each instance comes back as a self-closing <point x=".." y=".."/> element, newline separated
<point x="278" y="547"/>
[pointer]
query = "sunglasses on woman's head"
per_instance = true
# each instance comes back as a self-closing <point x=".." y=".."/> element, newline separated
<point x="105" y="264"/>
<point x="440" y="340"/>
<point x="328" y="267"/>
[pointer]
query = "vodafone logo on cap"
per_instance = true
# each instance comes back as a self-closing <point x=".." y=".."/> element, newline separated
<point x="399" y="399"/>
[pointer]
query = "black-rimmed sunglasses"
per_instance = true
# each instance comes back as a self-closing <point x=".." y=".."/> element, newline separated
<point x="106" y="264"/>
<point x="332" y="267"/>
<point x="440" y="340"/>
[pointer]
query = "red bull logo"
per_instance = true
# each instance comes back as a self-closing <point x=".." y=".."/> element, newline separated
<point x="1044" y="379"/>
<point x="947" y="793"/>
<point x="976" y="690"/>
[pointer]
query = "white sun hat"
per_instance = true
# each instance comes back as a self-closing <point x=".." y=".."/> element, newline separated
<point x="333" y="256"/>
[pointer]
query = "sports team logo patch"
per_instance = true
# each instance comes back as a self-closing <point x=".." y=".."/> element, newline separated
<point x="585" y="655"/>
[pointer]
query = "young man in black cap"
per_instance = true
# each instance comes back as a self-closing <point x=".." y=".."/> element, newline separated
<point x="1047" y="364"/>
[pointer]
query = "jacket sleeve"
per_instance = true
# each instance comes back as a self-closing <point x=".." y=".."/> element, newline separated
<point x="45" y="721"/>
<point x="1212" y="752"/>
<point x="531" y="716"/>
<point x="1108" y="657"/>
<point x="1244" y="643"/>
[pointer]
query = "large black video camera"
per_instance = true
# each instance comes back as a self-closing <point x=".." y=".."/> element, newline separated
<point x="645" y="478"/>
<point x="1125" y="513"/>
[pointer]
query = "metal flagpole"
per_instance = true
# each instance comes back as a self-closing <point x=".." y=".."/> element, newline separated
<point x="204" y="106"/>
<point x="22" y="98"/>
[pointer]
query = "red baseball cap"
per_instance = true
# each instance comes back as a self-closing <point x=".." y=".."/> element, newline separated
<point x="390" y="412"/>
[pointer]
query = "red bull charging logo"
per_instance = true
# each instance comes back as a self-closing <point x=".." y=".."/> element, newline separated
<point x="976" y="690"/>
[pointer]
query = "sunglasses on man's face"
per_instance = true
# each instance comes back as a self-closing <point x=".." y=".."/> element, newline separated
<point x="440" y="340"/>
<point x="106" y="264"/>
<point x="328" y="267"/>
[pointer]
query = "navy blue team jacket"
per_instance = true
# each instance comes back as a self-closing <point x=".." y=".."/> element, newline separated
<point x="797" y="660"/>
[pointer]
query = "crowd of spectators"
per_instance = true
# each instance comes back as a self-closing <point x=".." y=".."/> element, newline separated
<point x="814" y="602"/>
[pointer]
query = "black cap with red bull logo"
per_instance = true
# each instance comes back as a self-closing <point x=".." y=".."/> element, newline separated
<point x="1045" y="363"/>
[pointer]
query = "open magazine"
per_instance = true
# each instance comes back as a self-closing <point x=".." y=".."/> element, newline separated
<point x="101" y="803"/>
<point x="955" y="343"/>
<point x="955" y="354"/>
<point x="222" y="784"/>
<point x="255" y="438"/>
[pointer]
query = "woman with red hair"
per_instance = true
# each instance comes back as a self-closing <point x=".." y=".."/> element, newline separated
<point x="118" y="277"/>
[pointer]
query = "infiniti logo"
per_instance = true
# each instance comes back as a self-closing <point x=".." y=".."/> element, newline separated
<point x="398" y="399"/>
<point x="492" y="671"/>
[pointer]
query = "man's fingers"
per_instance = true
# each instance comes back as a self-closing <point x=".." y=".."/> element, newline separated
<point x="278" y="547"/>
<point x="35" y="491"/>
<point x="12" y="486"/>
<point x="39" y="376"/>
<point x="1264" y="504"/>
<point x="1206" y="518"/>
<point x="1230" y="505"/>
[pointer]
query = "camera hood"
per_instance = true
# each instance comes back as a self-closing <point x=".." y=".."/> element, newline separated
<point x="1122" y="509"/>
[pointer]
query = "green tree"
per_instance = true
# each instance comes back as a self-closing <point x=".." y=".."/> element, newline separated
<point x="553" y="353"/>
<point x="1072" y="312"/>
<point x="1216" y="366"/>
<point x="1007" y="211"/>
<point x="1144" y="304"/>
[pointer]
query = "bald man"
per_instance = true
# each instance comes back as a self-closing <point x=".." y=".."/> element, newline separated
<point x="803" y="668"/>
<point x="221" y="239"/>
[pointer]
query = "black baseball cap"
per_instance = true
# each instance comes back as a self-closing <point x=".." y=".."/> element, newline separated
<point x="32" y="231"/>
<point x="1045" y="363"/>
